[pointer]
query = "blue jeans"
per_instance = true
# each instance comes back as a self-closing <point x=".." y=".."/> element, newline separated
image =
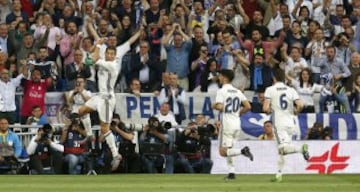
<point x="354" y="101"/>
<point x="203" y="165"/>
<point x="155" y="163"/>
<point x="74" y="160"/>
<point x="315" y="77"/>
<point x="342" y="99"/>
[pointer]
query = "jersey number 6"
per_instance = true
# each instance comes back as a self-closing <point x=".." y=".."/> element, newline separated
<point x="283" y="102"/>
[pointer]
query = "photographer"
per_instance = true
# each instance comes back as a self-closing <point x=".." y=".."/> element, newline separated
<point x="125" y="138"/>
<point x="154" y="133"/>
<point x="191" y="146"/>
<point x="327" y="133"/>
<point x="315" y="132"/>
<point x="75" y="143"/>
<point x="45" y="152"/>
<point x="10" y="145"/>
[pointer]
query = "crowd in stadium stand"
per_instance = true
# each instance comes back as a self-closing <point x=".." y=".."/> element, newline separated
<point x="47" y="46"/>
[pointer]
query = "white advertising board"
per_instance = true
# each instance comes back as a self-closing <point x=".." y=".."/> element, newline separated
<point x="327" y="157"/>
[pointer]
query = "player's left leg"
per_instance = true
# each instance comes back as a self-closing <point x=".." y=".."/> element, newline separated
<point x="105" y="114"/>
<point x="233" y="151"/>
<point x="110" y="140"/>
<point x="227" y="149"/>
<point x="286" y="147"/>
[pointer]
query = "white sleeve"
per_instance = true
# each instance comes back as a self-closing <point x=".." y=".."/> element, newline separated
<point x="57" y="146"/>
<point x="242" y="97"/>
<point x="18" y="79"/>
<point x="32" y="146"/>
<point x="289" y="65"/>
<point x="100" y="62"/>
<point x="182" y="97"/>
<point x="219" y="97"/>
<point x="121" y="50"/>
<point x="162" y="97"/>
<point x="317" y="87"/>
<point x="106" y="64"/>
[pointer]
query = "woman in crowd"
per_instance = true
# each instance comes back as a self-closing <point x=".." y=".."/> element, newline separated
<point x="306" y="89"/>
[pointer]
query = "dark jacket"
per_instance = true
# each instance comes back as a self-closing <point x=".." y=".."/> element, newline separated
<point x="182" y="113"/>
<point x="71" y="74"/>
<point x="266" y="77"/>
<point x="154" y="74"/>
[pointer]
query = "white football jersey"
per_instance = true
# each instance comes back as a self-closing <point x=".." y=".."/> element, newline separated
<point x="231" y="98"/>
<point x="109" y="70"/>
<point x="282" y="98"/>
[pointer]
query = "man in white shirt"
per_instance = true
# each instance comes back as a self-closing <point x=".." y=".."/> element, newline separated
<point x="7" y="94"/>
<point x="280" y="99"/>
<point x="166" y="115"/>
<point x="104" y="102"/>
<point x="228" y="102"/>
<point x="294" y="62"/>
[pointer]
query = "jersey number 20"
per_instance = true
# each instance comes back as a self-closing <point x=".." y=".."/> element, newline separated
<point x="232" y="105"/>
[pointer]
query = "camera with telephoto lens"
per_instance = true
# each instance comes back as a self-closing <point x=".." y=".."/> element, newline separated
<point x="155" y="124"/>
<point x="47" y="132"/>
<point x="205" y="132"/>
<point x="166" y="124"/>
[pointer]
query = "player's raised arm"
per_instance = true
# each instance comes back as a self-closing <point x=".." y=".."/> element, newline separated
<point x="135" y="36"/>
<point x="96" y="54"/>
<point x="246" y="107"/>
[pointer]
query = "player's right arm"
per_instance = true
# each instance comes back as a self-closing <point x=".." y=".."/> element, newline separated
<point x="267" y="102"/>
<point x="299" y="105"/>
<point x="218" y="105"/>
<point x="96" y="53"/>
<point x="266" y="106"/>
<point x="246" y="107"/>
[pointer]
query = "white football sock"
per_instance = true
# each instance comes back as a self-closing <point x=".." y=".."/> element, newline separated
<point x="286" y="149"/>
<point x="230" y="164"/>
<point x="281" y="163"/>
<point x="231" y="152"/>
<point x="110" y="140"/>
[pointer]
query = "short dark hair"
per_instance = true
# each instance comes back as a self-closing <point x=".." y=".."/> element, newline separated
<point x="111" y="48"/>
<point x="331" y="47"/>
<point x="279" y="74"/>
<point x="268" y="121"/>
<point x="229" y="74"/>
<point x="200" y="1"/>
<point x="35" y="107"/>
<point x="43" y="47"/>
<point x="286" y="17"/>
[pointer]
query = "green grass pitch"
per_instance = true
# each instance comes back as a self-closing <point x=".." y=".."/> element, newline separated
<point x="178" y="183"/>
